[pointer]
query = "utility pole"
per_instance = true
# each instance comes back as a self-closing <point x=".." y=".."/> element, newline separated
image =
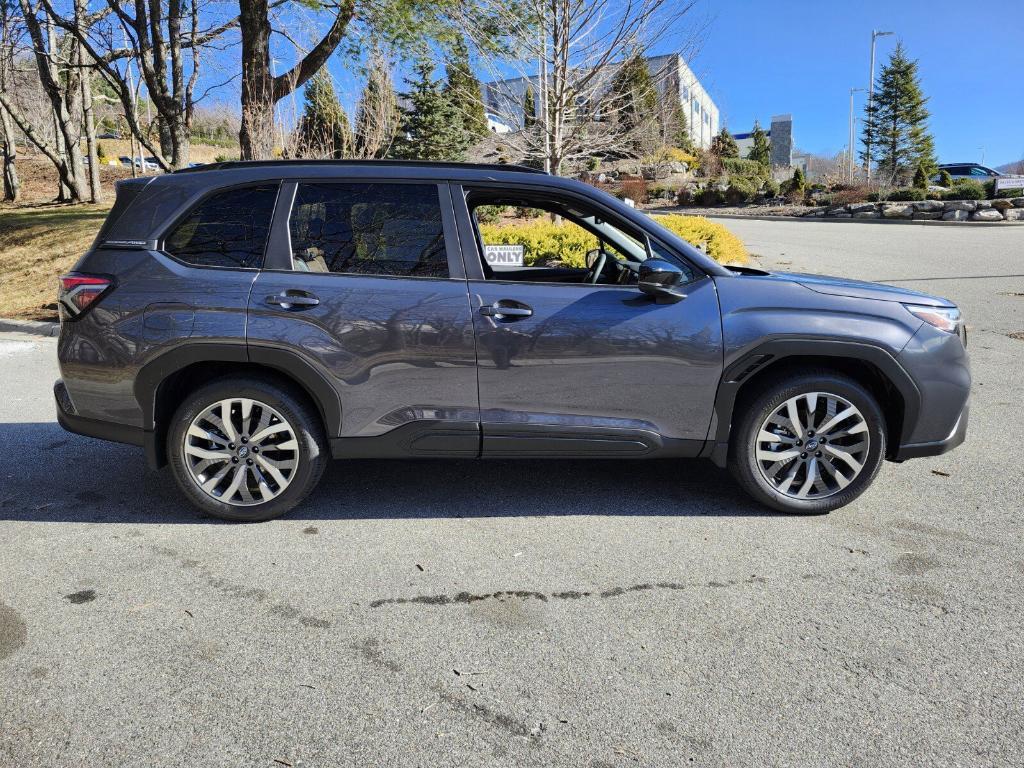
<point x="875" y="34"/>
<point x="850" y="150"/>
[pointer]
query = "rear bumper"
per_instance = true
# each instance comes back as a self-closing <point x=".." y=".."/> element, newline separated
<point x="102" y="430"/>
<point x="939" y="447"/>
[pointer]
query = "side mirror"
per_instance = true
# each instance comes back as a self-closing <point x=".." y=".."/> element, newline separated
<point x="661" y="279"/>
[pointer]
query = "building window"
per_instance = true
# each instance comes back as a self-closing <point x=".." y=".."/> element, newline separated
<point x="696" y="106"/>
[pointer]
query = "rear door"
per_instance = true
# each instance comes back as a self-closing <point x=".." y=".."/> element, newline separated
<point x="365" y="281"/>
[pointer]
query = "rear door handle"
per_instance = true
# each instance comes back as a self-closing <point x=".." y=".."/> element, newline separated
<point x="293" y="300"/>
<point x="505" y="309"/>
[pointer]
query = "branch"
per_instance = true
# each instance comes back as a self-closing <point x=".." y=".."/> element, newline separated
<point x="311" y="63"/>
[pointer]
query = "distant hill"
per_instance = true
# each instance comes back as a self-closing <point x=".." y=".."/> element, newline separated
<point x="1017" y="166"/>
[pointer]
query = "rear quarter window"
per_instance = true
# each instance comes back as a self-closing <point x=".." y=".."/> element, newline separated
<point x="228" y="229"/>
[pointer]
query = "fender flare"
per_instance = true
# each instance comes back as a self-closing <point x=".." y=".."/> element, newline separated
<point x="774" y="350"/>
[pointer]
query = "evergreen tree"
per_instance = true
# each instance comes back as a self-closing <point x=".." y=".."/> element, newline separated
<point x="463" y="90"/>
<point x="633" y="100"/>
<point x="724" y="145"/>
<point x="945" y="180"/>
<point x="677" y="133"/>
<point x="430" y="129"/>
<point x="529" y="107"/>
<point x="378" y="115"/>
<point x="920" y="178"/>
<point x="896" y="126"/>
<point x="761" y="150"/>
<point x="323" y="130"/>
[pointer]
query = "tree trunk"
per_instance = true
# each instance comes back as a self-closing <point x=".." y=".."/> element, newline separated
<point x="12" y="185"/>
<point x="88" y="119"/>
<point x="256" y="137"/>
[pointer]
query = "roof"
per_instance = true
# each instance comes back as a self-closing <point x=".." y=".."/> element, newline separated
<point x="241" y="164"/>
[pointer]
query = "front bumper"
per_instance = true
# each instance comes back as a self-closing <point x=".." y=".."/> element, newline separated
<point x="939" y="447"/>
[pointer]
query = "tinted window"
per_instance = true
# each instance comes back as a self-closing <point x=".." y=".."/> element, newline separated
<point x="228" y="229"/>
<point x="368" y="229"/>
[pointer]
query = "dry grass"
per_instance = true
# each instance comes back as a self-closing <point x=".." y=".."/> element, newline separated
<point x="36" y="245"/>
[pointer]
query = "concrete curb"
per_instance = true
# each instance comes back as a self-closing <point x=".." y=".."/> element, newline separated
<point x="35" y="327"/>
<point x="831" y="219"/>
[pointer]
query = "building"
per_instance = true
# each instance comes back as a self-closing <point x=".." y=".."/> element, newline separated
<point x="780" y="138"/>
<point x="672" y="75"/>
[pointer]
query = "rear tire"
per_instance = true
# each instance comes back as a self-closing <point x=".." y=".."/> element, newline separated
<point x="246" y="449"/>
<point x="800" y="411"/>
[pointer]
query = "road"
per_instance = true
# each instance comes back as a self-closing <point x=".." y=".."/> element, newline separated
<point x="531" y="613"/>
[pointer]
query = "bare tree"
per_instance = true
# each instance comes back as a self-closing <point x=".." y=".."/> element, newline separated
<point x="569" y="51"/>
<point x="8" y="43"/>
<point x="377" y="115"/>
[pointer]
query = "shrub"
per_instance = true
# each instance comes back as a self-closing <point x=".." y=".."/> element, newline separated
<point x="672" y="155"/>
<point x="770" y="187"/>
<point x="945" y="180"/>
<point x="739" y="166"/>
<point x="633" y="188"/>
<point x="101" y="153"/>
<point x="920" y="178"/>
<point x="906" y="194"/>
<point x="593" y="163"/>
<point x="741" y="190"/>
<point x="966" y="189"/>
<point x="709" y="196"/>
<point x="546" y="241"/>
<point x="990" y="189"/>
<point x="660" y="192"/>
<point x="528" y="213"/>
<point x="684" y="196"/>
<point x="1011" y="193"/>
<point x="489" y="214"/>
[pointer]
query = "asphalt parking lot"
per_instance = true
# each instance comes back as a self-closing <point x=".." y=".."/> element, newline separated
<point x="532" y="613"/>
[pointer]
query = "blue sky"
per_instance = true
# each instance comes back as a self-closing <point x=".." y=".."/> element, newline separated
<point x="761" y="58"/>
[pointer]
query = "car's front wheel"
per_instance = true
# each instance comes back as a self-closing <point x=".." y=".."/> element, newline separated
<point x="246" y="449"/>
<point x="808" y="443"/>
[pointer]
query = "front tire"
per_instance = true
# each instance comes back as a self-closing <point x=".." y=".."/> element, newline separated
<point x="808" y="443"/>
<point x="246" y="448"/>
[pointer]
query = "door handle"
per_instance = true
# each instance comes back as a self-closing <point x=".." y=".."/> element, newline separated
<point x="293" y="300"/>
<point x="505" y="310"/>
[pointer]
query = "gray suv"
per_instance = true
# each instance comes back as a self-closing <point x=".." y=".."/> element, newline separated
<point x="244" y="322"/>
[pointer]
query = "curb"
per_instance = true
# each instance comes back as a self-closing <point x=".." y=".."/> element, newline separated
<point x="34" y="327"/>
<point x="833" y="219"/>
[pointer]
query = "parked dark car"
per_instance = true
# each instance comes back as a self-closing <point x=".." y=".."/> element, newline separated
<point x="244" y="322"/>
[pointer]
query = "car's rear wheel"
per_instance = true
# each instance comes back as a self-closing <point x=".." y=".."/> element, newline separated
<point x="808" y="443"/>
<point x="246" y="449"/>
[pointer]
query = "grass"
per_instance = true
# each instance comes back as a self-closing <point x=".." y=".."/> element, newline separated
<point x="36" y="245"/>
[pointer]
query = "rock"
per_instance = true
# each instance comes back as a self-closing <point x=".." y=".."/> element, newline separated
<point x="1014" y="214"/>
<point x="984" y="204"/>
<point x="815" y="213"/>
<point x="871" y="214"/>
<point x="960" y="205"/>
<point x="842" y="216"/>
<point x="927" y="215"/>
<point x="987" y="214"/>
<point x="957" y="214"/>
<point x="928" y="205"/>
<point x="856" y="208"/>
<point x="676" y="167"/>
<point x="897" y="211"/>
<point x="1018" y="202"/>
<point x="1002" y="204"/>
<point x="836" y="211"/>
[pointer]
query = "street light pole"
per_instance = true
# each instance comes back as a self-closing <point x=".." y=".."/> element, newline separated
<point x="875" y="34"/>
<point x="850" y="146"/>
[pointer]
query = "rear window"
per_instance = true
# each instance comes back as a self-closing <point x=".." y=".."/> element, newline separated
<point x="228" y="229"/>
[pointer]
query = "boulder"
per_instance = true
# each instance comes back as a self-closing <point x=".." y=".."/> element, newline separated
<point x="871" y="214"/>
<point x="850" y="215"/>
<point x="987" y="214"/>
<point x="856" y="208"/>
<point x="1018" y="202"/>
<point x="814" y="213"/>
<point x="982" y="204"/>
<point x="960" y="205"/>
<point x="676" y="167"/>
<point x="1014" y="214"/>
<point x="837" y="211"/>
<point x="1002" y="204"/>
<point x="928" y="205"/>
<point x="897" y="211"/>
<point x="927" y="215"/>
<point x="957" y="214"/>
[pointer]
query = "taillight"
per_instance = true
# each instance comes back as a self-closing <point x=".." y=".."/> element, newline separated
<point x="79" y="292"/>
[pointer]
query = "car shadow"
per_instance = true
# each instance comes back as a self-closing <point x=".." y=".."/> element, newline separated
<point x="53" y="476"/>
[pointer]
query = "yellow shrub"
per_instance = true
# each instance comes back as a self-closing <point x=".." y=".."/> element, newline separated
<point x="544" y="240"/>
<point x="673" y="155"/>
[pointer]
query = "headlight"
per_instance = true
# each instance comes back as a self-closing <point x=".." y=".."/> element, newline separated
<point x="944" y="318"/>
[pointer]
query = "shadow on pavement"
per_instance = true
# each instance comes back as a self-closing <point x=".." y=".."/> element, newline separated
<point x="53" y="476"/>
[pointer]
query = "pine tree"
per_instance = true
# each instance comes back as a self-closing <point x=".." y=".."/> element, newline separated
<point x="463" y="90"/>
<point x="724" y="145"/>
<point x="378" y="115"/>
<point x="761" y="150"/>
<point x="678" y="131"/>
<point x="431" y="129"/>
<point x="323" y="130"/>
<point x="896" y="127"/>
<point x="529" y="107"/>
<point x="633" y="100"/>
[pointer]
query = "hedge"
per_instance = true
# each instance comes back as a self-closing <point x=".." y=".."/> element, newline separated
<point x="545" y="241"/>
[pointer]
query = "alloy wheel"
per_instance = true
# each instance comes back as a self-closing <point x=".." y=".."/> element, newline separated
<point x="241" y="451"/>
<point x="812" y="446"/>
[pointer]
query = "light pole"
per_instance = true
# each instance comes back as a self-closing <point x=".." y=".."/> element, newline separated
<point x="875" y="34"/>
<point x="850" y="150"/>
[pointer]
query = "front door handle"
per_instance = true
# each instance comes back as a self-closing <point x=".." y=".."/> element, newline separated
<point x="293" y="300"/>
<point x="505" y="309"/>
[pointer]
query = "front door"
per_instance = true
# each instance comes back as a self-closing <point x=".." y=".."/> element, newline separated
<point x="364" y="279"/>
<point x="575" y="362"/>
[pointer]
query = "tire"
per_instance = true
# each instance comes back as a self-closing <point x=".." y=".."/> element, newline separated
<point x="833" y="481"/>
<point x="282" y="424"/>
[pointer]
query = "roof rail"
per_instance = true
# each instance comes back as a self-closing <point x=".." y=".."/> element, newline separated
<point x="387" y="163"/>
